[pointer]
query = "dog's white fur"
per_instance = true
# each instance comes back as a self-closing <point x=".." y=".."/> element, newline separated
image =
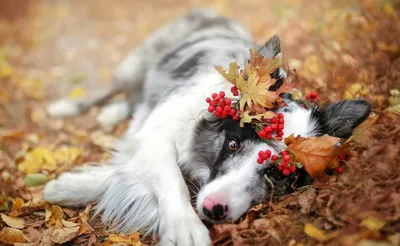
<point x="143" y="188"/>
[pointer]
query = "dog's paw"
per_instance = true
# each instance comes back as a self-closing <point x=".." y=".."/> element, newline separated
<point x="63" y="108"/>
<point x="185" y="229"/>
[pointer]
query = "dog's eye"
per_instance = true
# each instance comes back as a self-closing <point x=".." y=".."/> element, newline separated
<point x="233" y="145"/>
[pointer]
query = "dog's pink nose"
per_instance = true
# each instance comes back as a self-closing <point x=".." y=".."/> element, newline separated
<point x="213" y="209"/>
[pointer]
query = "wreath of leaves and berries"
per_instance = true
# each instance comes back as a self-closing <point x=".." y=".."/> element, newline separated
<point x="254" y="103"/>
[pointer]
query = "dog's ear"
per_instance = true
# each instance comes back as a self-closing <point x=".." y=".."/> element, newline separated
<point x="271" y="48"/>
<point x="340" y="119"/>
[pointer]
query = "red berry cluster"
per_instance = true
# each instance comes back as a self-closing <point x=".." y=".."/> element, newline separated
<point x="312" y="97"/>
<point x="277" y="125"/>
<point x="221" y="106"/>
<point x="234" y="91"/>
<point x="263" y="155"/>
<point x="284" y="166"/>
<point x="340" y="160"/>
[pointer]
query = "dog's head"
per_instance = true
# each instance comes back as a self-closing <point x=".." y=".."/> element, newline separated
<point x="233" y="181"/>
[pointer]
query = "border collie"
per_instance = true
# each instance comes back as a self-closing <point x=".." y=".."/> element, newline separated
<point x="174" y="146"/>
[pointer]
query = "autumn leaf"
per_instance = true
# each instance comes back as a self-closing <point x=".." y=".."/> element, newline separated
<point x="11" y="235"/>
<point x="38" y="159"/>
<point x="14" y="222"/>
<point x="232" y="74"/>
<point x="65" y="234"/>
<point x="17" y="207"/>
<point x="373" y="224"/>
<point x="54" y="216"/>
<point x="317" y="234"/>
<point x="77" y="93"/>
<point x="247" y="117"/>
<point x="35" y="179"/>
<point x="315" y="153"/>
<point x="132" y="239"/>
<point x="361" y="133"/>
<point x="355" y="90"/>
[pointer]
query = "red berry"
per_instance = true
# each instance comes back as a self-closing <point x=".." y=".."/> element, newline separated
<point x="221" y="102"/>
<point x="286" y="157"/>
<point x="280" y="133"/>
<point x="339" y="169"/>
<point x="268" y="153"/>
<point x="316" y="99"/>
<point x="308" y="98"/>
<point x="273" y="127"/>
<point x="280" y="116"/>
<point x="284" y="152"/>
<point x="268" y="136"/>
<point x="281" y="121"/>
<point x="274" y="120"/>
<point x="228" y="101"/>
<point x="235" y="117"/>
<point x="259" y="160"/>
<point x="221" y="94"/>
<point x="232" y="112"/>
<point x="274" y="157"/>
<point x="227" y="108"/>
<point x="286" y="172"/>
<point x="284" y="164"/>
<point x="235" y="93"/>
<point x="260" y="153"/>
<point x="280" y="127"/>
<point x="211" y="109"/>
<point x="224" y="114"/>
<point x="313" y="95"/>
<point x="218" y="109"/>
<point x="280" y="168"/>
<point x="218" y="114"/>
<point x="214" y="95"/>
<point x="208" y="100"/>
<point x="292" y="169"/>
<point x="261" y="134"/>
<point x="233" y="88"/>
<point x="268" y="129"/>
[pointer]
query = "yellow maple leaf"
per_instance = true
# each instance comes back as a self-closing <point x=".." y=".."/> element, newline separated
<point x="64" y="154"/>
<point x="232" y="74"/>
<point x="38" y="159"/>
<point x="373" y="224"/>
<point x="133" y="239"/>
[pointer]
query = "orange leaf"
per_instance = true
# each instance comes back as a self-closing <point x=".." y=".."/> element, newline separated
<point x="17" y="208"/>
<point x="315" y="153"/>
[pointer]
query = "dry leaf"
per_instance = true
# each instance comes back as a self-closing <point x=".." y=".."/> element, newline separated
<point x="63" y="155"/>
<point x="133" y="239"/>
<point x="54" y="216"/>
<point x="317" y="234"/>
<point x="77" y="93"/>
<point x="17" y="208"/>
<point x="361" y="134"/>
<point x="65" y="234"/>
<point x="247" y="118"/>
<point x="38" y="159"/>
<point x="11" y="235"/>
<point x="14" y="222"/>
<point x="6" y="71"/>
<point x="356" y="90"/>
<point x="315" y="153"/>
<point x="306" y="200"/>
<point x="373" y="224"/>
<point x="32" y="88"/>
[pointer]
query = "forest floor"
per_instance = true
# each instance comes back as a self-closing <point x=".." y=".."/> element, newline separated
<point x="51" y="49"/>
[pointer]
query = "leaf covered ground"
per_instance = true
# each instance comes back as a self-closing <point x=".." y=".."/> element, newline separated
<point x="341" y="49"/>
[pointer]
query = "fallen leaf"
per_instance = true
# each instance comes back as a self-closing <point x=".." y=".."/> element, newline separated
<point x="32" y="88"/>
<point x="356" y="90"/>
<point x="247" y="117"/>
<point x="65" y="234"/>
<point x="11" y="235"/>
<point x="317" y="234"/>
<point x="133" y="239"/>
<point x="63" y="155"/>
<point x="6" y="71"/>
<point x="361" y="134"/>
<point x="17" y="207"/>
<point x="38" y="159"/>
<point x="78" y="78"/>
<point x="373" y="224"/>
<point x="35" y="179"/>
<point x="54" y="216"/>
<point x="306" y="200"/>
<point x="77" y="93"/>
<point x="102" y="140"/>
<point x="14" y="222"/>
<point x="315" y="153"/>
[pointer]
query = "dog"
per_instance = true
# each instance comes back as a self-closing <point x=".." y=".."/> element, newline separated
<point x="174" y="147"/>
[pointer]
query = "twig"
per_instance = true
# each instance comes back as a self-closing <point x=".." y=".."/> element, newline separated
<point x="272" y="191"/>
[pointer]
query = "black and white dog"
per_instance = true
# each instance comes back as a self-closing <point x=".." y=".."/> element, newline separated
<point x="174" y="144"/>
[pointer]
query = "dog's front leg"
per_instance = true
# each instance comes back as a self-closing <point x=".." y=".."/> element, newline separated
<point x="179" y="224"/>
